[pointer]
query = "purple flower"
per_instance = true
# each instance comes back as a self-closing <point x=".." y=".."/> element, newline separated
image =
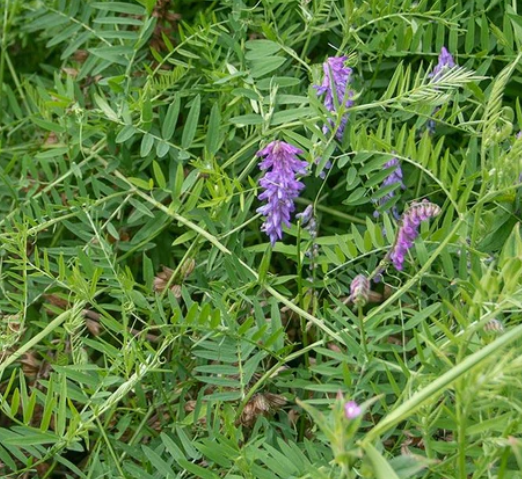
<point x="352" y="410"/>
<point x="359" y="290"/>
<point x="394" y="178"/>
<point x="445" y="61"/>
<point x="280" y="185"/>
<point x="409" y="230"/>
<point x="335" y="89"/>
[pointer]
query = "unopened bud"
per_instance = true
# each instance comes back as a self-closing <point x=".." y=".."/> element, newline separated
<point x="360" y="290"/>
<point x="352" y="410"/>
<point x="93" y="327"/>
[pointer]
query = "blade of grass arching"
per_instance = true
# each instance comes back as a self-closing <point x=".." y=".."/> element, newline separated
<point x="381" y="467"/>
<point x="440" y="384"/>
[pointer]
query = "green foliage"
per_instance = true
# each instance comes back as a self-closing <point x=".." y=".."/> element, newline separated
<point x="148" y="329"/>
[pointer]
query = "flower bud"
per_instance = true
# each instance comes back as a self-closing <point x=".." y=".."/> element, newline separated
<point x="352" y="410"/>
<point x="359" y="290"/>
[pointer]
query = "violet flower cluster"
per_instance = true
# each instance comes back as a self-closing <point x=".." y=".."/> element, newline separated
<point x="280" y="185"/>
<point x="394" y="178"/>
<point x="445" y="62"/>
<point x="409" y="230"/>
<point x="280" y="158"/>
<point x="335" y="89"/>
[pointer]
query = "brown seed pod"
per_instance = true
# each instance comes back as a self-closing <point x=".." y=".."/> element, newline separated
<point x="80" y="55"/>
<point x="276" y="401"/>
<point x="176" y="291"/>
<point x="162" y="278"/>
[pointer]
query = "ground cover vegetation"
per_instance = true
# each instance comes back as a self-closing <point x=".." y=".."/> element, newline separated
<point x="260" y="239"/>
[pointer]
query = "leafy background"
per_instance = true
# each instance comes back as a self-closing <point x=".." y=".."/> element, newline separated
<point x="148" y="330"/>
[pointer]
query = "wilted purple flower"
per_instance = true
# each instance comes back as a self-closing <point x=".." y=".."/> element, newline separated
<point x="359" y="290"/>
<point x="335" y="89"/>
<point x="409" y="229"/>
<point x="445" y="61"/>
<point x="352" y="410"/>
<point x="306" y="215"/>
<point x="495" y="325"/>
<point x="308" y="221"/>
<point x="281" y="186"/>
<point x="394" y="178"/>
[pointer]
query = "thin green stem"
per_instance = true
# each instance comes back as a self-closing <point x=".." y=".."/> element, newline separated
<point x="300" y="295"/>
<point x="3" y="51"/>
<point x="461" y="421"/>
<point x="331" y="211"/>
<point x="117" y="463"/>
<point x="363" y="332"/>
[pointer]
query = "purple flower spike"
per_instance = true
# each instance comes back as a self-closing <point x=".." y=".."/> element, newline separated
<point x="352" y="410"/>
<point x="409" y="230"/>
<point x="445" y="61"/>
<point x="280" y="185"/>
<point x="335" y="89"/>
<point x="394" y="178"/>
